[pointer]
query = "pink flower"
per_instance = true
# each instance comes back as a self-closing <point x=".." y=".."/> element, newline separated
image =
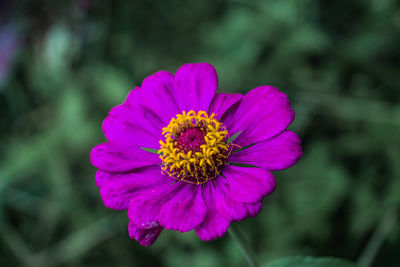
<point x="182" y="157"/>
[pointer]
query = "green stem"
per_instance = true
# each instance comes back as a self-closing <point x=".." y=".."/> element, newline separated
<point x="378" y="237"/>
<point x="238" y="237"/>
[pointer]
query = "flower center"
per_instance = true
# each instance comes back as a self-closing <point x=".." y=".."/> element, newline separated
<point x="190" y="139"/>
<point x="195" y="147"/>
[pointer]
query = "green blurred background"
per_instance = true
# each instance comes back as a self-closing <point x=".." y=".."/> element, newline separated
<point x="64" y="64"/>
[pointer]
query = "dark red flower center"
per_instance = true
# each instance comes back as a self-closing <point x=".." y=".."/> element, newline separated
<point x="190" y="139"/>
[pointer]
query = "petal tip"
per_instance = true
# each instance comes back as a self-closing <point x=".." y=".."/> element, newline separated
<point x="145" y="237"/>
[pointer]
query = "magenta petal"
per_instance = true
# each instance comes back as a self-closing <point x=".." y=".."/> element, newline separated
<point x="145" y="237"/>
<point x="103" y="177"/>
<point x="145" y="208"/>
<point x="121" y="158"/>
<point x="214" y="224"/>
<point x="133" y="125"/>
<point x="249" y="185"/>
<point x="231" y="209"/>
<point x="195" y="86"/>
<point x="185" y="210"/>
<point x="118" y="189"/>
<point x="263" y="113"/>
<point x="157" y="93"/>
<point x="222" y="102"/>
<point x="274" y="154"/>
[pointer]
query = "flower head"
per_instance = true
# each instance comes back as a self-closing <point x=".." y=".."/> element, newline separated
<point x="182" y="157"/>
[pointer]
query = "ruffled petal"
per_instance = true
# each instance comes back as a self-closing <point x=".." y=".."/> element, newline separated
<point x="214" y="224"/>
<point x="134" y="125"/>
<point x="249" y="185"/>
<point x="157" y="93"/>
<point x="145" y="237"/>
<point x="263" y="113"/>
<point x="144" y="209"/>
<point x="118" y="189"/>
<point x="185" y="210"/>
<point x="195" y="86"/>
<point x="274" y="154"/>
<point x="103" y="177"/>
<point x="222" y="102"/>
<point x="147" y="109"/>
<point x="231" y="209"/>
<point x="121" y="158"/>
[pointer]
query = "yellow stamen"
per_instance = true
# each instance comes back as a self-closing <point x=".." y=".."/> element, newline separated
<point x="196" y="163"/>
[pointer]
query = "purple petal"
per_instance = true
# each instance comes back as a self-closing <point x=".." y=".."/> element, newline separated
<point x="103" y="177"/>
<point x="158" y="94"/>
<point x="121" y="158"/>
<point x="231" y="209"/>
<point x="222" y="102"/>
<point x="273" y="154"/>
<point x="249" y="185"/>
<point x="118" y="189"/>
<point x="185" y="210"/>
<point x="144" y="209"/>
<point x="195" y="86"/>
<point x="214" y="224"/>
<point x="263" y="113"/>
<point x="133" y="125"/>
<point x="145" y="237"/>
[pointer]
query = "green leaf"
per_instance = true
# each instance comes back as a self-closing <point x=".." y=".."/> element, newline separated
<point x="243" y="148"/>
<point x="300" y="261"/>
<point x="232" y="138"/>
<point x="151" y="150"/>
<point x="237" y="164"/>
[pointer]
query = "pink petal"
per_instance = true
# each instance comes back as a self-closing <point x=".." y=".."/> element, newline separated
<point x="214" y="224"/>
<point x="274" y="154"/>
<point x="133" y="125"/>
<point x="222" y="102"/>
<point x="231" y="209"/>
<point x="195" y="86"/>
<point x="140" y="119"/>
<point x="157" y="93"/>
<point x="121" y="158"/>
<point x="118" y="189"/>
<point x="145" y="208"/>
<point x="145" y="237"/>
<point x="249" y="185"/>
<point x="185" y="210"/>
<point x="263" y="113"/>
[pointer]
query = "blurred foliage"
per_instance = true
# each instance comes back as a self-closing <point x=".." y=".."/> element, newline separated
<point x="338" y="61"/>
<point x="309" y="262"/>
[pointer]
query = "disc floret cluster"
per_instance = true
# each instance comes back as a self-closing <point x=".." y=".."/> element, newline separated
<point x="195" y="147"/>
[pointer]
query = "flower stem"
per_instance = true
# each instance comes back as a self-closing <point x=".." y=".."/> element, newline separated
<point x="378" y="237"/>
<point x="238" y="237"/>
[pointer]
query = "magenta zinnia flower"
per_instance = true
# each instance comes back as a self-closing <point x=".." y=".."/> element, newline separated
<point x="183" y="157"/>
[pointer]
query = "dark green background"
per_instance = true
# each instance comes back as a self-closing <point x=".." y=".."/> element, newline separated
<point x="338" y="62"/>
